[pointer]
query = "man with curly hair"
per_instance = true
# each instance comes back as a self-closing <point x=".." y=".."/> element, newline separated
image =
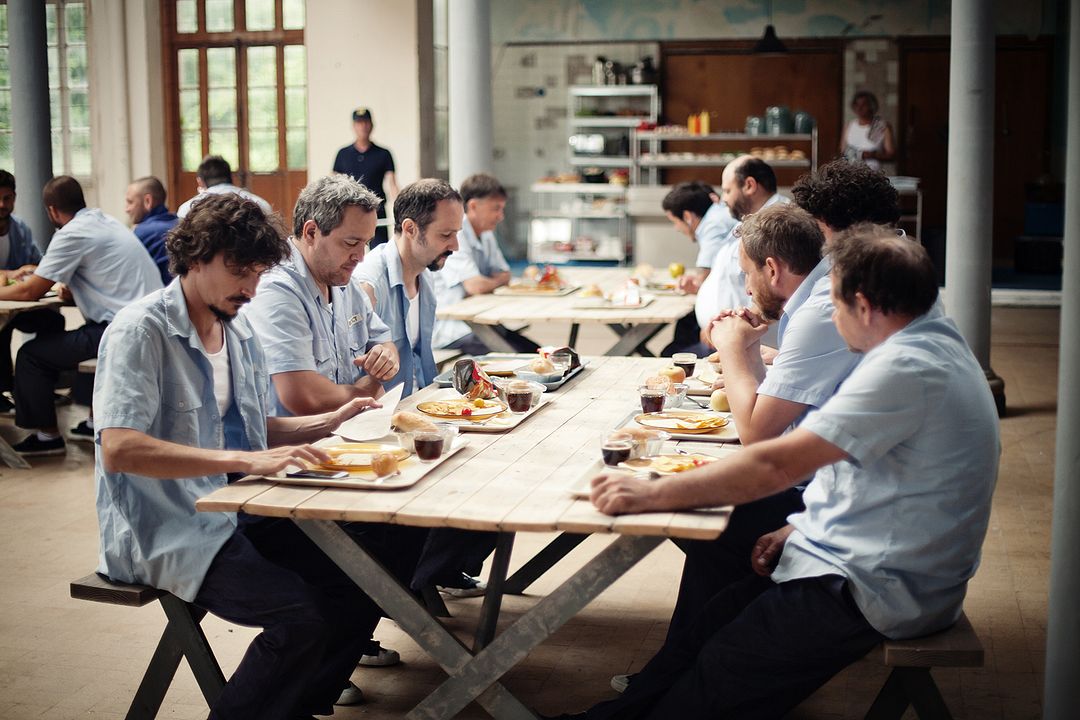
<point x="841" y="194"/>
<point x="180" y="404"/>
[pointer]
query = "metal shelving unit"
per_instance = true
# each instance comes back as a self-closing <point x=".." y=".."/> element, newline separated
<point x="579" y="221"/>
<point x="652" y="160"/>
<point x="612" y="111"/>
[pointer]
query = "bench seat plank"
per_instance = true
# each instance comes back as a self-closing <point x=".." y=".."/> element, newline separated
<point x="96" y="588"/>
<point x="958" y="646"/>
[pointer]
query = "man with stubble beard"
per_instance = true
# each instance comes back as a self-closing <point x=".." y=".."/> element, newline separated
<point x="397" y="275"/>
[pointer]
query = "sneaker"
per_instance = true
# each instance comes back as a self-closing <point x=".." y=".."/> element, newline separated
<point x="7" y="407"/>
<point x="351" y="695"/>
<point x="619" y="683"/>
<point x="31" y="446"/>
<point x="81" y="432"/>
<point x="378" y="656"/>
<point x="468" y="587"/>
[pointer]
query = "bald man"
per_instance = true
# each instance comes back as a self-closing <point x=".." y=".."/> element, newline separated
<point x="144" y="203"/>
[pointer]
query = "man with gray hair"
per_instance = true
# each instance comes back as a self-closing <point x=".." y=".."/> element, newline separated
<point x="324" y="343"/>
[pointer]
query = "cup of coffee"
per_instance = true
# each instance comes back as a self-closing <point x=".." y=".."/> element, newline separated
<point x="615" y="448"/>
<point x="428" y="446"/>
<point x="522" y="395"/>
<point x="686" y="361"/>
<point x="652" y="399"/>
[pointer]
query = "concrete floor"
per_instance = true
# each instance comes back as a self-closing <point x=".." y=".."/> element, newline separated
<point x="65" y="659"/>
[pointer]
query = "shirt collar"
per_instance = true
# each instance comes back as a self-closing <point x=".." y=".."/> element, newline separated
<point x="468" y="231"/>
<point x="394" y="272"/>
<point x="154" y="212"/>
<point x="178" y="321"/>
<point x="296" y="266"/>
<point x="713" y="216"/>
<point x="806" y="287"/>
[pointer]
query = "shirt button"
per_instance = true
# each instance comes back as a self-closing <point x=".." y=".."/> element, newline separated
<point x="181" y="403"/>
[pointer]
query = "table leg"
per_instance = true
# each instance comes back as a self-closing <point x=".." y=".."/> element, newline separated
<point x="487" y="335"/>
<point x="532" y="628"/>
<point x="632" y="338"/>
<point x="12" y="458"/>
<point x="543" y="561"/>
<point x="489" y="612"/>
<point x="382" y="587"/>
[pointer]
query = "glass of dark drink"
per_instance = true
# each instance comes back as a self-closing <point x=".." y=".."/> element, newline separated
<point x="428" y="446"/>
<point x="652" y="400"/>
<point x="686" y="361"/>
<point x="615" y="450"/>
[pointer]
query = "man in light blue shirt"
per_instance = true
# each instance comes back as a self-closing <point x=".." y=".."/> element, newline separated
<point x="104" y="267"/>
<point x="397" y="275"/>
<point x="180" y="402"/>
<point x="214" y="177"/>
<point x="905" y="456"/>
<point x="324" y="344"/>
<point x="478" y="267"/>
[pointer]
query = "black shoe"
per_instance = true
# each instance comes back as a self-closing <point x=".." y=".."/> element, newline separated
<point x="466" y="587"/>
<point x="31" y="446"/>
<point x="6" y="406"/>
<point x="81" y="432"/>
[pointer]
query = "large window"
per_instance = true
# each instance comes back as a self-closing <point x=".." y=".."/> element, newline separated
<point x="69" y="88"/>
<point x="237" y="87"/>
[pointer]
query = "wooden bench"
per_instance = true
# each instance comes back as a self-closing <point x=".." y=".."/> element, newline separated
<point x="910" y="682"/>
<point x="183" y="637"/>
<point x="88" y="367"/>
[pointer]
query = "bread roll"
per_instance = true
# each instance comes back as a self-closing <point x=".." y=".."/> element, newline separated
<point x="411" y="422"/>
<point x="541" y="366"/>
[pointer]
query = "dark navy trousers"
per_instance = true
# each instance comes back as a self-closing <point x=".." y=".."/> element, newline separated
<point x="756" y="651"/>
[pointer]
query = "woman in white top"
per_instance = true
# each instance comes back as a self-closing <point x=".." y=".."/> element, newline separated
<point x="867" y="138"/>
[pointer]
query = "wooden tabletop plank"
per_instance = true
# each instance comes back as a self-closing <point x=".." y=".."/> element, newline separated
<point x="280" y="500"/>
<point x="232" y="497"/>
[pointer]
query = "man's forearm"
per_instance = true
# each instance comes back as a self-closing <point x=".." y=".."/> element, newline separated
<point x="305" y="392"/>
<point x="131" y="451"/>
<point x="483" y="284"/>
<point x="299" y="430"/>
<point x="742" y="376"/>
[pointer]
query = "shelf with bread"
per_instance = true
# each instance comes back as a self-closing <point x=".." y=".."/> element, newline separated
<point x="648" y="155"/>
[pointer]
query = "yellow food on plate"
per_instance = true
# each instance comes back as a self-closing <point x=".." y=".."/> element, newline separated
<point x="411" y="422"/>
<point x="591" y="291"/>
<point x="674" y="373"/>
<point x="718" y="401"/>
<point x="461" y="407"/>
<point x="669" y="464"/>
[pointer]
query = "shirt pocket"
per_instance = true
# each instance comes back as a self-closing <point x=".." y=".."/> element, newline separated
<point x="181" y="406"/>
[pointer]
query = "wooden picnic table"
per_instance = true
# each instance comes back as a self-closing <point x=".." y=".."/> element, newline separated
<point x="8" y="310"/>
<point x="519" y="481"/>
<point x="634" y="326"/>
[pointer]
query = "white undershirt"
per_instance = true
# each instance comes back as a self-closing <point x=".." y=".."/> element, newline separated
<point x="412" y="320"/>
<point x="5" y="248"/>
<point x="219" y="362"/>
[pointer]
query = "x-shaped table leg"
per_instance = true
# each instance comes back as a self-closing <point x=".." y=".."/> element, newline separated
<point x="632" y="338"/>
<point x="382" y="587"/>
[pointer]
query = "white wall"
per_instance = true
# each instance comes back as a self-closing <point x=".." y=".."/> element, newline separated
<point x="127" y="126"/>
<point x="363" y="53"/>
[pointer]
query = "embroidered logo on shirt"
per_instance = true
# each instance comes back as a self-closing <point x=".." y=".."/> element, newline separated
<point x="355" y="319"/>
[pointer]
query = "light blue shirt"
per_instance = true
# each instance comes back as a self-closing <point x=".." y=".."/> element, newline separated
<point x="299" y="330"/>
<point x="381" y="269"/>
<point x="223" y="189"/>
<point x="153" y="376"/>
<point x="713" y="232"/>
<point x="102" y="263"/>
<point x="904" y="516"/>
<point x="21" y="247"/>
<point x="475" y="256"/>
<point x="813" y="358"/>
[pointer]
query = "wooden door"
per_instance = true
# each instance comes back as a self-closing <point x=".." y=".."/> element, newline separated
<point x="1021" y="136"/>
<point x="729" y="81"/>
<point x="236" y="86"/>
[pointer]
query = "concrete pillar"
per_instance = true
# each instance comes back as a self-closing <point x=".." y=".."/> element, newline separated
<point x="969" y="228"/>
<point x="1062" y="692"/>
<point x="471" y="123"/>
<point x="28" y="61"/>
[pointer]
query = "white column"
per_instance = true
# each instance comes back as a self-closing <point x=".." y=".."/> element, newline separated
<point x="969" y="228"/>
<point x="1062" y="692"/>
<point x="31" y="135"/>
<point x="471" y="123"/>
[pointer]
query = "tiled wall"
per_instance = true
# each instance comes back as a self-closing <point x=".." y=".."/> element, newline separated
<point x="530" y="102"/>
<point x="873" y="65"/>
